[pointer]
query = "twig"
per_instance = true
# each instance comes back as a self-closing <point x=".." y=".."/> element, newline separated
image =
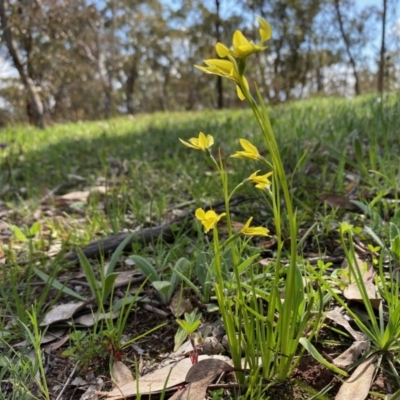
<point x="71" y="375"/>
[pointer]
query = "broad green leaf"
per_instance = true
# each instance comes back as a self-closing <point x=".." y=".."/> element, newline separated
<point x="117" y="253"/>
<point x="188" y="327"/>
<point x="108" y="285"/>
<point x="34" y="229"/>
<point x="147" y="269"/>
<point x="58" y="285"/>
<point x="183" y="266"/>
<point x="180" y="337"/>
<point x="246" y="263"/>
<point x="90" y="277"/>
<point x="201" y="268"/>
<point x="358" y="150"/>
<point x="163" y="289"/>
<point x="189" y="283"/>
<point x="126" y="301"/>
<point x="18" y="234"/>
<point x="395" y="240"/>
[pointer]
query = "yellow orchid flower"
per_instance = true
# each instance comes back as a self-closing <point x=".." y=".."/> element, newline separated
<point x="256" y="231"/>
<point x="242" y="47"/>
<point x="260" y="181"/>
<point x="203" y="142"/>
<point x="226" y="69"/>
<point x="250" y="151"/>
<point x="209" y="219"/>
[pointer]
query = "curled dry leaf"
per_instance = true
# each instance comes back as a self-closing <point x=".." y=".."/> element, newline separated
<point x="337" y="316"/>
<point x="351" y="355"/>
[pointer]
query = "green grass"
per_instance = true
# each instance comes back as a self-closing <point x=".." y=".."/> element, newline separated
<point x="327" y="146"/>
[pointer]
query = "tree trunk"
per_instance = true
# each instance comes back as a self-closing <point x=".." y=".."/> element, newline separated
<point x="347" y="44"/>
<point x="130" y="87"/>
<point x="382" y="53"/>
<point x="220" y="88"/>
<point x="35" y="103"/>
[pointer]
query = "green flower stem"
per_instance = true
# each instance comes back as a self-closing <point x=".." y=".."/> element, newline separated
<point x="235" y="190"/>
<point x="225" y="308"/>
<point x="224" y="180"/>
<point x="279" y="181"/>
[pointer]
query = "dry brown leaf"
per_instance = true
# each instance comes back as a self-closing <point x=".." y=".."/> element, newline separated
<point x="337" y="201"/>
<point x="62" y="312"/>
<point x="50" y="347"/>
<point x="358" y="385"/>
<point x="124" y="277"/>
<point x="75" y="196"/>
<point x="91" y="319"/>
<point x="351" y="355"/>
<point x="180" y="303"/>
<point x="193" y="391"/>
<point x="366" y="269"/>
<point x="153" y="383"/>
<point x="206" y="369"/>
<point x="200" y="376"/>
<point x="353" y="293"/>
<point x="265" y="262"/>
<point x="54" y="248"/>
<point x="90" y="393"/>
<point x="211" y="345"/>
<point x="337" y="316"/>
<point x="121" y="373"/>
<point x="81" y="195"/>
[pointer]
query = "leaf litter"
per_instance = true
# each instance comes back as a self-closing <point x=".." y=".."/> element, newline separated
<point x="173" y="375"/>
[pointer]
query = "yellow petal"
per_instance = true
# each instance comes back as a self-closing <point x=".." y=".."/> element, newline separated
<point x="245" y="50"/>
<point x="255" y="231"/>
<point x="222" y="50"/>
<point x="248" y="146"/>
<point x="207" y="70"/>
<point x="247" y="224"/>
<point x="240" y="93"/>
<point x="187" y="144"/>
<point x="224" y="66"/>
<point x="265" y="29"/>
<point x="239" y="40"/>
<point x="200" y="214"/>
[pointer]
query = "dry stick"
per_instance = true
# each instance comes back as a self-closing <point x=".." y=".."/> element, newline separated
<point x="145" y="236"/>
<point x="71" y="375"/>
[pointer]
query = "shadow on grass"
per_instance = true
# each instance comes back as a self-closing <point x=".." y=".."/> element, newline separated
<point x="142" y="152"/>
<point x="145" y="154"/>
